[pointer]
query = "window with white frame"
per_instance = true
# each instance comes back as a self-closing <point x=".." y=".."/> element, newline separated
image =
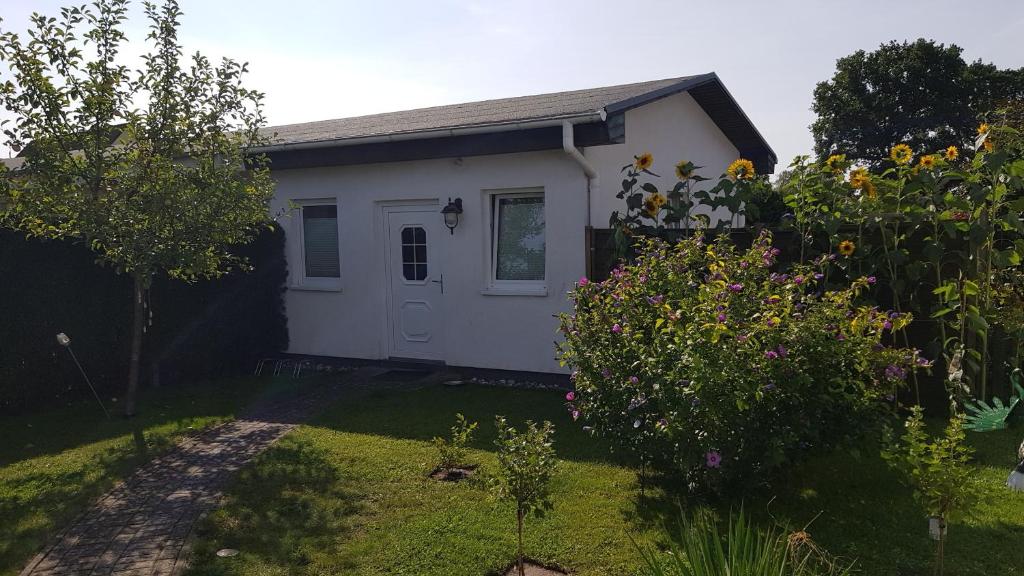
<point x="517" y="240"/>
<point x="320" y="253"/>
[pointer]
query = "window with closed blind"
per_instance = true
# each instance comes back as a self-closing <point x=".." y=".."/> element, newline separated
<point x="320" y="241"/>
<point x="518" y="240"/>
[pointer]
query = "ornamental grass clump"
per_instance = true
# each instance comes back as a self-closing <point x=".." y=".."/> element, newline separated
<point x="703" y="360"/>
<point x="743" y="549"/>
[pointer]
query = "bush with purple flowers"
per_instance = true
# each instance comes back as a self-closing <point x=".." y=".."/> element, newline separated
<point x="703" y="360"/>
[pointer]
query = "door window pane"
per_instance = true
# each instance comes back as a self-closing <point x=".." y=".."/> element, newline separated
<point x="519" y="238"/>
<point x="320" y="241"/>
<point x="414" y="253"/>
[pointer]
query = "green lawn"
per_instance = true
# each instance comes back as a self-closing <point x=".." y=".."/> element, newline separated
<point x="349" y="494"/>
<point x="53" y="464"/>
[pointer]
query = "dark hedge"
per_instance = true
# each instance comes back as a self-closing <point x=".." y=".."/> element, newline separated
<point x="199" y="330"/>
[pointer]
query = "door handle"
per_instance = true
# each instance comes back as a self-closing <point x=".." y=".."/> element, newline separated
<point x="441" y="282"/>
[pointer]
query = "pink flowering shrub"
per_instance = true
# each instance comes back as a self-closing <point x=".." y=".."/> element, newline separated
<point x="703" y="360"/>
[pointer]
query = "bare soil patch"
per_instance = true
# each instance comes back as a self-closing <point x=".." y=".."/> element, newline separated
<point x="532" y="569"/>
<point x="453" y="474"/>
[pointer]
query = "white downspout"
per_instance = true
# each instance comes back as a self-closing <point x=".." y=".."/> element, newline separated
<point x="569" y="146"/>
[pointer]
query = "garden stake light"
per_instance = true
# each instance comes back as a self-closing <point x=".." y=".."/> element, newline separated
<point x="64" y="341"/>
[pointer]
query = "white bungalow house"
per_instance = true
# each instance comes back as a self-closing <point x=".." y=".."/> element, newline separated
<point x="375" y="273"/>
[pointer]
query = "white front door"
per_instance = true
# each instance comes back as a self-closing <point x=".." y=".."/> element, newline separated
<point x="414" y="281"/>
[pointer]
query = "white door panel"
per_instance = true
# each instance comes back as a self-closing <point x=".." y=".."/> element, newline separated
<point x="415" y="282"/>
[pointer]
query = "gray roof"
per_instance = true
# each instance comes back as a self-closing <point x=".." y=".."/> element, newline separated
<point x="12" y="163"/>
<point x="473" y="114"/>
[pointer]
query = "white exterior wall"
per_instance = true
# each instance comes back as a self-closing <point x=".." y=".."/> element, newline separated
<point x="672" y="129"/>
<point x="480" y="330"/>
<point x="488" y="331"/>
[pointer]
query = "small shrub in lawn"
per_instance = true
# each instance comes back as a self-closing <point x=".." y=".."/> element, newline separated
<point x="938" y="470"/>
<point x="703" y="360"/>
<point x="526" y="462"/>
<point x="451" y="454"/>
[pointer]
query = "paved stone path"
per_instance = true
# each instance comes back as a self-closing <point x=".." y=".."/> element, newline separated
<point x="141" y="526"/>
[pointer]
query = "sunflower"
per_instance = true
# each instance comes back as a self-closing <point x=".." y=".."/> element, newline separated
<point x="926" y="162"/>
<point x="650" y="208"/>
<point x="643" y="161"/>
<point x="859" y="178"/>
<point x="741" y="169"/>
<point x="836" y="163"/>
<point x="847" y="248"/>
<point x="870" y="191"/>
<point x="657" y="199"/>
<point x="684" y="170"/>
<point x="983" y="129"/>
<point x="952" y="153"/>
<point x="901" y="154"/>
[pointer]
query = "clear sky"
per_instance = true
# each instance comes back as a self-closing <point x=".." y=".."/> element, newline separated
<point x="319" y="60"/>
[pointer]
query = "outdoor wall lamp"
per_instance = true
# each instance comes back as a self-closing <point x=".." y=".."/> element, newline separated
<point x="451" y="214"/>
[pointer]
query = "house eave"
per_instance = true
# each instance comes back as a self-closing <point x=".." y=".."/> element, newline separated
<point x="595" y="116"/>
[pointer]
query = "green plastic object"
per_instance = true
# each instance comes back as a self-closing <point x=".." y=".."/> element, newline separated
<point x="982" y="417"/>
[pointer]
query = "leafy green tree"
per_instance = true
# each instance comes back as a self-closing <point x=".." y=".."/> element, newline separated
<point x="937" y="469"/>
<point x="922" y="93"/>
<point x="150" y="168"/>
<point x="526" y="463"/>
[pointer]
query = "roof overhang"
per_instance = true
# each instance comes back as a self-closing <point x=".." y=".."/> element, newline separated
<point x="712" y="96"/>
<point x="594" y="128"/>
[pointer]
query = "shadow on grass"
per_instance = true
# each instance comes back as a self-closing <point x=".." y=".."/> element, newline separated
<point x="54" y="431"/>
<point x="424" y="413"/>
<point x="295" y="511"/>
<point x="36" y="501"/>
<point x="53" y="465"/>
<point x="855" y="507"/>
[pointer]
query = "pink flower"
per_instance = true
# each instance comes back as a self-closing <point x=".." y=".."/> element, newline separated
<point x="713" y="459"/>
<point x="872" y="279"/>
<point x="570" y="396"/>
<point x="634" y="380"/>
<point x="616" y="328"/>
<point x="771" y="354"/>
<point x="575" y="415"/>
<point x="584" y="281"/>
<point x="737" y="287"/>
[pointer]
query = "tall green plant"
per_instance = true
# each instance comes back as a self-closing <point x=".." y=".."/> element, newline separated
<point x="932" y="220"/>
<point x="649" y="211"/>
<point x="937" y="469"/>
<point x="526" y="462"/>
<point x="150" y="169"/>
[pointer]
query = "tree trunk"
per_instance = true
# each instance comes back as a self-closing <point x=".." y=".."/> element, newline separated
<point x="138" y="324"/>
<point x="519" y="525"/>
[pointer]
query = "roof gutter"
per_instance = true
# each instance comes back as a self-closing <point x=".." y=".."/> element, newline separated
<point x="569" y="146"/>
<point x="425" y="134"/>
